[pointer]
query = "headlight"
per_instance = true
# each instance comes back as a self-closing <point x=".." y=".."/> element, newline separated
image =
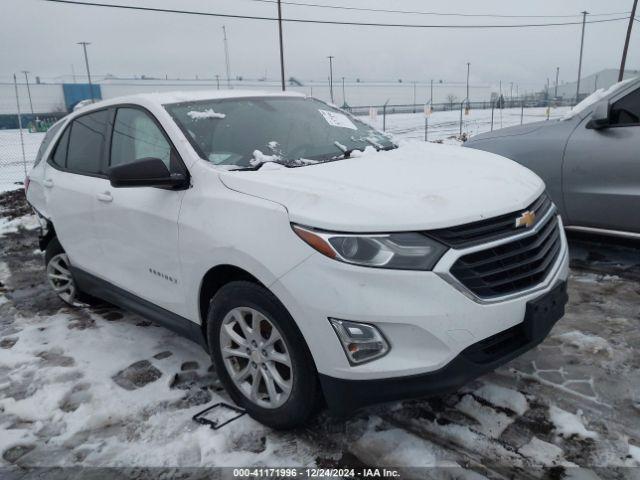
<point x="401" y="251"/>
<point x="361" y="342"/>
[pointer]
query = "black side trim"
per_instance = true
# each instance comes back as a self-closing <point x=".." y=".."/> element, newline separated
<point x="108" y="292"/>
<point x="345" y="396"/>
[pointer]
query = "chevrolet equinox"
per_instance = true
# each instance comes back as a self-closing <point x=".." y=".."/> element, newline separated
<point x="318" y="262"/>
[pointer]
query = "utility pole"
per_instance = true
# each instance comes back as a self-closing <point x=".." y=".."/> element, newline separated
<point x="626" y="42"/>
<point x="584" y="22"/>
<point x="547" y="91"/>
<point x="555" y="94"/>
<point x="468" y="68"/>
<point x="511" y="92"/>
<point x="26" y="77"/>
<point x="86" y="62"/>
<point x="330" y="57"/>
<point x="281" y="48"/>
<point x="431" y="99"/>
<point x="344" y="98"/>
<point x="218" y="81"/>
<point x="24" y="158"/>
<point x="595" y="83"/>
<point x="226" y="55"/>
<point x="414" y="97"/>
<point x="73" y="73"/>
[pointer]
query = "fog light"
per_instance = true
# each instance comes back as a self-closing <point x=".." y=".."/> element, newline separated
<point x="361" y="342"/>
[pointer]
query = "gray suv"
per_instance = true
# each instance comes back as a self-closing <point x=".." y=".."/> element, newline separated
<point x="589" y="159"/>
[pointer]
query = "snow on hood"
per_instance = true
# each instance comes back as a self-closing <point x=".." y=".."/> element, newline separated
<point x="594" y="97"/>
<point x="418" y="186"/>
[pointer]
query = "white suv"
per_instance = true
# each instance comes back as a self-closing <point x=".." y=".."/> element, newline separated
<point x="313" y="258"/>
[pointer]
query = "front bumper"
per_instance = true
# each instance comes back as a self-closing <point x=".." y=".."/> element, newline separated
<point x="344" y="396"/>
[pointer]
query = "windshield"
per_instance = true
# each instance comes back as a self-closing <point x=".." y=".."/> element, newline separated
<point x="293" y="131"/>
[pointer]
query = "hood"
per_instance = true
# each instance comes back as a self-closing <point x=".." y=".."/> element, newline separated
<point x="419" y="186"/>
<point x="525" y="129"/>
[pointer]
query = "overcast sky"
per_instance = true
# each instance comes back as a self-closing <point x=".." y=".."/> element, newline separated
<point x="41" y="37"/>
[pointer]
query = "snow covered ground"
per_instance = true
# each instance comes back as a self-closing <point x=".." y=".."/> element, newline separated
<point x="100" y="387"/>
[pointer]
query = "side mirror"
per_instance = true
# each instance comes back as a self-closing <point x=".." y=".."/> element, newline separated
<point x="146" y="172"/>
<point x="600" y="116"/>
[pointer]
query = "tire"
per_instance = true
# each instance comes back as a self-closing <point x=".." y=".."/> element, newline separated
<point x="293" y="398"/>
<point x="56" y="263"/>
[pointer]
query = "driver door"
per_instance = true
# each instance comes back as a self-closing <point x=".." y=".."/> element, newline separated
<point x="601" y="170"/>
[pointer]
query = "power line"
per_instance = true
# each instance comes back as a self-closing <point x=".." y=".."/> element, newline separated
<point x="442" y="14"/>
<point x="325" y="22"/>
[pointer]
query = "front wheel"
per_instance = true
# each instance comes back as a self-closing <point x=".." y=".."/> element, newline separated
<point x="261" y="357"/>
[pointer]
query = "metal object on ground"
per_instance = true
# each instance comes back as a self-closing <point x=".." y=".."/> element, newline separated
<point x="200" y="417"/>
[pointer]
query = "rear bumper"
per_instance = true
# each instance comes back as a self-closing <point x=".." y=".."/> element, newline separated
<point x="344" y="396"/>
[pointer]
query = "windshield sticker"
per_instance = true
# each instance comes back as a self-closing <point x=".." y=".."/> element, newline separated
<point x="336" y="119"/>
<point x="209" y="113"/>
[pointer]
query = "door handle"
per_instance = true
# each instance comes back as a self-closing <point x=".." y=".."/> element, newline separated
<point x="105" y="197"/>
<point x="48" y="183"/>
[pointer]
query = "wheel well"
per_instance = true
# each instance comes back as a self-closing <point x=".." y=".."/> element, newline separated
<point x="214" y="280"/>
<point x="47" y="237"/>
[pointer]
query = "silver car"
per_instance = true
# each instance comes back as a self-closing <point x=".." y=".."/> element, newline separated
<point x="589" y="159"/>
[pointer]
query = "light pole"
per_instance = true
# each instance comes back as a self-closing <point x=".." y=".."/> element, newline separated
<point x="626" y="42"/>
<point x="26" y="77"/>
<point x="431" y="99"/>
<point x="414" y="97"/>
<point x="584" y="22"/>
<point x="555" y="94"/>
<point x="86" y="62"/>
<point x="468" y="68"/>
<point x="330" y="57"/>
<point x="281" y="48"/>
<point x="344" y="98"/>
<point x="218" y="81"/>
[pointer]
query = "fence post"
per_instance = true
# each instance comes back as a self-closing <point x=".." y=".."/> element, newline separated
<point x="521" y="112"/>
<point x="384" y="116"/>
<point x="493" y="106"/>
<point x="24" y="158"/>
<point x="461" y="105"/>
<point x="426" y="126"/>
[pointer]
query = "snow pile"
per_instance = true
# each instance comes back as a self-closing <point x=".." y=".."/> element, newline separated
<point x="584" y="343"/>
<point x="28" y="222"/>
<point x="567" y="424"/>
<point x="594" y="98"/>
<point x="542" y="452"/>
<point x="209" y="113"/>
<point x="634" y="453"/>
<point x="260" y="158"/>
<point x="491" y="423"/>
<point x="503" y="397"/>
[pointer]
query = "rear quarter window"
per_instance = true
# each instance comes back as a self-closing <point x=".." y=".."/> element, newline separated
<point x="46" y="141"/>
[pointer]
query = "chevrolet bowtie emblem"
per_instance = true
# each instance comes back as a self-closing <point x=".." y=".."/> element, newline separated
<point x="527" y="219"/>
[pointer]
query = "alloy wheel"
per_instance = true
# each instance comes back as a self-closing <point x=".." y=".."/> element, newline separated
<point x="60" y="278"/>
<point x="256" y="357"/>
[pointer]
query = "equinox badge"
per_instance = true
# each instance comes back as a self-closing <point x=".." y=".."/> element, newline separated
<point x="527" y="219"/>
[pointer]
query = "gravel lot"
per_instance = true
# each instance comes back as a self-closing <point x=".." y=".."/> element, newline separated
<point x="96" y="387"/>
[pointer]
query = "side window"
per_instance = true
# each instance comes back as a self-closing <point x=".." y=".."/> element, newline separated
<point x="626" y="111"/>
<point x="86" y="142"/>
<point x="46" y="141"/>
<point x="59" y="157"/>
<point x="136" y="136"/>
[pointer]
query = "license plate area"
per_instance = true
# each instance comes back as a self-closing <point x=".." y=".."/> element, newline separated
<point x="543" y="312"/>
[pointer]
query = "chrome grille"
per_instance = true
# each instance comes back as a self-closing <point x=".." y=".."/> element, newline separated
<point x="511" y="267"/>
<point x="485" y="231"/>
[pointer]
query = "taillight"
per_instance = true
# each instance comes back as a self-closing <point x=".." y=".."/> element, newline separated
<point x="27" y="181"/>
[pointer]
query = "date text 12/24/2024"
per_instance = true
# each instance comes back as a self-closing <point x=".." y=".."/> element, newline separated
<point x="315" y="473"/>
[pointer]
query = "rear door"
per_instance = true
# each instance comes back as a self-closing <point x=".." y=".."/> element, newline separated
<point x="601" y="170"/>
<point x="74" y="175"/>
<point x="138" y="227"/>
